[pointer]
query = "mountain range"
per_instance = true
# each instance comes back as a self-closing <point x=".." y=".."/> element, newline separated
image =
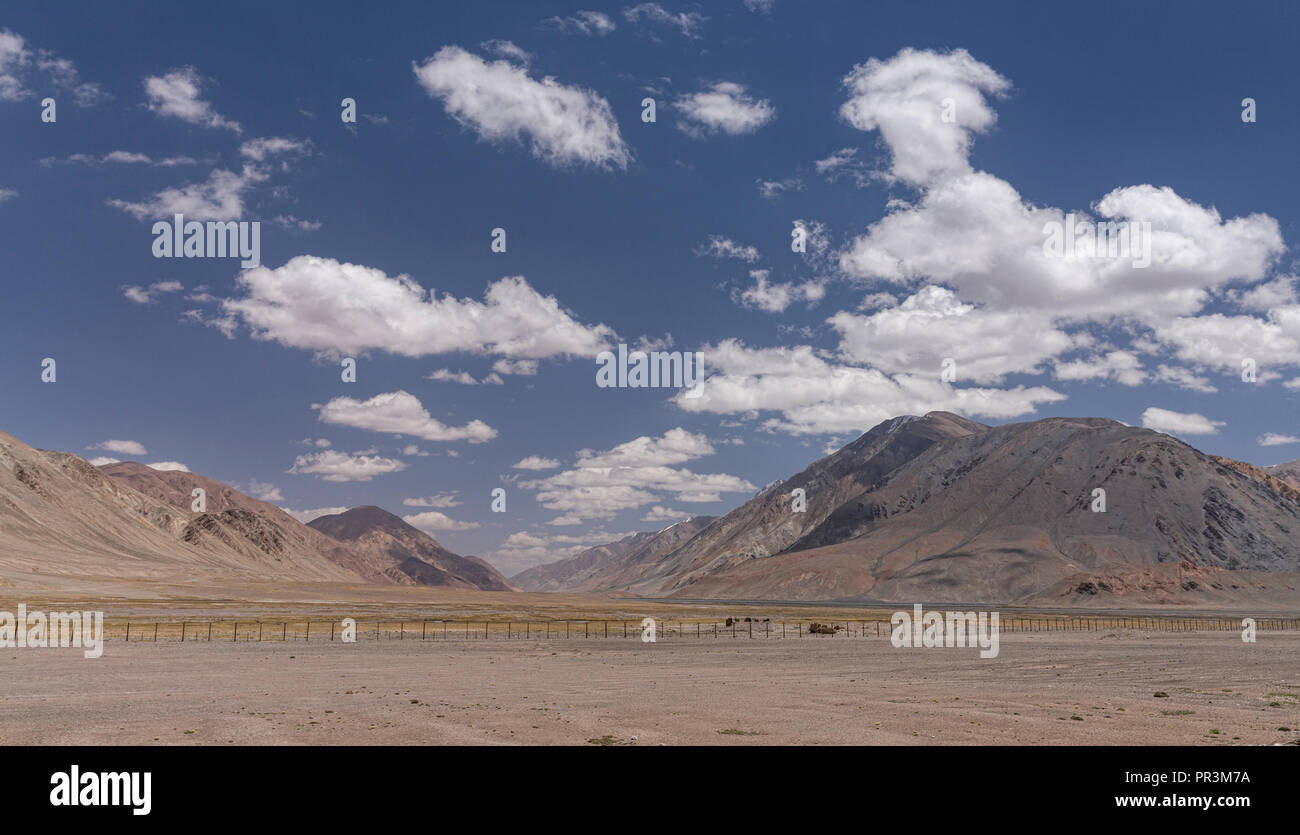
<point x="65" y="524"/>
<point x="936" y="508"/>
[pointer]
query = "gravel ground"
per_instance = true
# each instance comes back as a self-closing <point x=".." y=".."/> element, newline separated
<point x="1050" y="688"/>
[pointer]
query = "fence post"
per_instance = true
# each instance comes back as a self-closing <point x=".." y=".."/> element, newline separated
<point x="155" y="633"/>
<point x="209" y="631"/>
<point x="128" y="631"/>
<point x="331" y="630"/>
<point x="424" y="629"/>
<point x="182" y="632"/>
<point x="308" y="638"/>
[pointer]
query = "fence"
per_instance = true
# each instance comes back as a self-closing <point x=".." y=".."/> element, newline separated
<point x="286" y="630"/>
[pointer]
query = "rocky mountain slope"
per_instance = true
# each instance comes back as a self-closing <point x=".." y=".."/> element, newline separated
<point x="383" y="538"/>
<point x="64" y="524"/>
<point x="611" y="566"/>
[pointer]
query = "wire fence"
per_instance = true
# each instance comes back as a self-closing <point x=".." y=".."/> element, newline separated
<point x="289" y="630"/>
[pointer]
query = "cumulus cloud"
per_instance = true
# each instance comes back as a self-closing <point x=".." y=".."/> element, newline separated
<point x="500" y="102"/>
<point x="723" y="108"/>
<point x="399" y="413"/>
<point x="775" y="297"/>
<point x="631" y="475"/>
<point x="178" y="94"/>
<point x="169" y="465"/>
<point x="814" y="394"/>
<point x="433" y="520"/>
<point x="335" y="308"/>
<point x="120" y="158"/>
<point x="442" y="500"/>
<point x="121" y="447"/>
<point x="1123" y="367"/>
<point x="523" y="549"/>
<point x="1179" y="423"/>
<point x="905" y="97"/>
<point x="220" y="197"/>
<point x="1275" y="439"/>
<point x="337" y="466"/>
<point x="536" y="462"/>
<point x="103" y="461"/>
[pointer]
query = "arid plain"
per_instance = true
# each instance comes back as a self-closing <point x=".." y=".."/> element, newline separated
<point x="1111" y="685"/>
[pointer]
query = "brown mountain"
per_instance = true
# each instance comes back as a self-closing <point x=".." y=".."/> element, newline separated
<point x="383" y="537"/>
<point x="943" y="509"/>
<point x="611" y="566"/>
<point x="66" y="525"/>
<point x="1288" y="471"/>
<point x="242" y="523"/>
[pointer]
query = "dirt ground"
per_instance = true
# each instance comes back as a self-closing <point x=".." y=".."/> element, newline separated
<point x="1043" y="688"/>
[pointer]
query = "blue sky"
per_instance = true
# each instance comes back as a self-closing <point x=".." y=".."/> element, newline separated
<point x="924" y="241"/>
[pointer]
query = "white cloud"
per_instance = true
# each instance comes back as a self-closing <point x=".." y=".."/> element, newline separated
<point x="688" y="23"/>
<point x="507" y="49"/>
<point x="7" y="194"/>
<point x="337" y="466"/>
<point x="1274" y="439"/>
<point x="177" y="94"/>
<point x="122" y="447"/>
<point x="659" y="513"/>
<point x="263" y="147"/>
<point x="1122" y="366"/>
<point x="399" y="413"/>
<point x="297" y="223"/>
<point x="149" y="295"/>
<point x="776" y="297"/>
<point x="442" y="500"/>
<point x="536" y="462"/>
<point x="631" y="475"/>
<point x="1184" y="378"/>
<point x="904" y="98"/>
<point x="589" y="23"/>
<point x="916" y="336"/>
<point x="500" y="101"/>
<point x="772" y="189"/>
<point x="306" y="516"/>
<point x="524" y="550"/>
<point x="844" y="163"/>
<point x="169" y="466"/>
<point x="815" y="395"/>
<point x="432" y="520"/>
<point x="674" y="447"/>
<point x="720" y="247"/>
<point x="523" y="368"/>
<point x="265" y="491"/>
<point x="17" y="78"/>
<point x="1179" y="423"/>
<point x="104" y="460"/>
<point x="220" y="197"/>
<point x="120" y="158"/>
<point x="341" y="309"/>
<point x="723" y="108"/>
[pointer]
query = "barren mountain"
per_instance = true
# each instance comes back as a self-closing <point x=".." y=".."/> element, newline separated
<point x="66" y="524"/>
<point x="1007" y="514"/>
<point x="767" y="524"/>
<point x="383" y="537"/>
<point x="940" y="508"/>
<point x="244" y="524"/>
<point x="611" y="566"/>
<point x="1288" y="471"/>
